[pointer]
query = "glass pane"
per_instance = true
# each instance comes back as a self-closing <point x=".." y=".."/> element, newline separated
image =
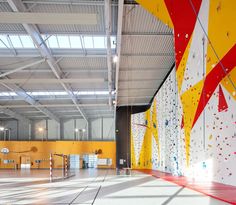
<point x="75" y="42"/>
<point x="88" y="41"/>
<point x="27" y="42"/>
<point x="63" y="41"/>
<point x="16" y="42"/>
<point x="52" y="41"/>
<point x="99" y="42"/>
<point x="4" y="42"/>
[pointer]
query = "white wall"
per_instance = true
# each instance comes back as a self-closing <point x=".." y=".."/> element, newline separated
<point x="69" y="129"/>
<point x="18" y="129"/>
<point x="53" y="129"/>
<point x="212" y="142"/>
<point x="108" y="129"/>
<point x="12" y="126"/>
<point x="40" y="132"/>
<point x="99" y="129"/>
<point x="102" y="129"/>
<point x="96" y="128"/>
<point x="24" y="130"/>
<point x="71" y="125"/>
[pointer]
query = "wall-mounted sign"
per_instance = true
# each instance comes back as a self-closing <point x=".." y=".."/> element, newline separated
<point x="104" y="161"/>
<point x="4" y="150"/>
<point x="8" y="161"/>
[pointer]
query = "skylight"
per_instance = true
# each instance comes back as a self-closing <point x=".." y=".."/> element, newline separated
<point x="64" y="41"/>
<point x="88" y="42"/>
<point x="57" y="41"/>
<point x="4" y="42"/>
<point x="16" y="41"/>
<point x="26" y="41"/>
<point x="99" y="42"/>
<point x="75" y="42"/>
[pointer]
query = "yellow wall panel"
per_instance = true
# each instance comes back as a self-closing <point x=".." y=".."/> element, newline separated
<point x="190" y="100"/>
<point x="158" y="9"/>
<point x="221" y="31"/>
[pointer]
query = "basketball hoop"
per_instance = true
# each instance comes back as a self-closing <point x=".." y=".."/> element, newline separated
<point x="4" y="150"/>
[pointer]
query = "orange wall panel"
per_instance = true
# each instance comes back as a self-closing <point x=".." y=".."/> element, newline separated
<point x="38" y="150"/>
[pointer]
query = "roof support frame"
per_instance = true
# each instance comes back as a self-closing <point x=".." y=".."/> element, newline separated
<point x="118" y="46"/>
<point x="109" y="52"/>
<point x="27" y="98"/>
<point x="13" y="114"/>
<point x="18" y="6"/>
<point x="21" y="68"/>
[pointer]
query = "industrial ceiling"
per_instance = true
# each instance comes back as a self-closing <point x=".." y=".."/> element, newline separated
<point x="79" y="58"/>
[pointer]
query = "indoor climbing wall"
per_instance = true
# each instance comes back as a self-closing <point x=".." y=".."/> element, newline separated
<point x="137" y="137"/>
<point x="196" y="106"/>
<point x="169" y="124"/>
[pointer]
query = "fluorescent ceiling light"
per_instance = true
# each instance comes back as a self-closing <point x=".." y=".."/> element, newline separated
<point x="115" y="59"/>
<point x="76" y="130"/>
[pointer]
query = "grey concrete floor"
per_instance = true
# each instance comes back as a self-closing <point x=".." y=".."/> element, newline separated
<point x="98" y="187"/>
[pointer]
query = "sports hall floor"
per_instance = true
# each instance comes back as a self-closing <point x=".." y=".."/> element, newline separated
<point x="98" y="187"/>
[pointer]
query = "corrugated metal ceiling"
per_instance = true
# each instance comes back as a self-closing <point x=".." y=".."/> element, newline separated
<point x="147" y="54"/>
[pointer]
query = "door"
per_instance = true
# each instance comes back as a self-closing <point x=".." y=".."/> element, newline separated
<point x="25" y="162"/>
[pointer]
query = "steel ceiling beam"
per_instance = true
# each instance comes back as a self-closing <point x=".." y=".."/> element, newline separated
<point x="136" y="97"/>
<point x="69" y="2"/>
<point x="53" y="98"/>
<point x="109" y="53"/>
<point x="146" y="34"/>
<point x="53" y="81"/>
<point x="133" y="104"/>
<point x="18" y="6"/>
<point x="67" y="70"/>
<point x="118" y="47"/>
<point x="68" y="80"/>
<point x="21" y="68"/>
<point x="75" y="115"/>
<point x="102" y="34"/>
<point x="71" y="53"/>
<point x="27" y="98"/>
<point x="54" y="105"/>
<point x="15" y="115"/>
<point x="88" y="70"/>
